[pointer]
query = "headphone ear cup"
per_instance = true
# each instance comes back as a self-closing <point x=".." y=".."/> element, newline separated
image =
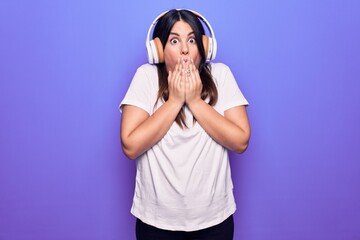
<point x="210" y="47"/>
<point x="149" y="51"/>
<point x="155" y="53"/>
<point x="214" y="48"/>
<point x="159" y="50"/>
<point x="205" y="40"/>
<point x="152" y="54"/>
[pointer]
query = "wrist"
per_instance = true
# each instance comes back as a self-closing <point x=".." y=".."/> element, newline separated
<point x="175" y="103"/>
<point x="194" y="103"/>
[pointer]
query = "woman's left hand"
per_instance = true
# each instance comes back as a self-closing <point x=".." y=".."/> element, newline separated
<point x="193" y="83"/>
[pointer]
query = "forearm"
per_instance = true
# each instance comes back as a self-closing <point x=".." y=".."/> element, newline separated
<point x="233" y="136"/>
<point x="150" y="131"/>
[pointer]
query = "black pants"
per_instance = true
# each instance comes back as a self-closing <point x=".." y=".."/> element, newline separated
<point x="222" y="231"/>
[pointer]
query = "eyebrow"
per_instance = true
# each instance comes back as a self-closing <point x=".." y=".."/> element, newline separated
<point x="174" y="33"/>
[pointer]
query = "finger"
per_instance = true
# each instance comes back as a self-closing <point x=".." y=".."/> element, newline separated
<point x="177" y="67"/>
<point x="169" y="79"/>
<point x="195" y="72"/>
<point x="171" y="82"/>
<point x="169" y="76"/>
<point x="178" y="71"/>
<point x="191" y="72"/>
<point x="190" y="79"/>
<point x="179" y="78"/>
<point x="190" y="69"/>
<point x="193" y="67"/>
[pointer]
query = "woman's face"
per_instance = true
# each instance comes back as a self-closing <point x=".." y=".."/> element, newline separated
<point x="181" y="44"/>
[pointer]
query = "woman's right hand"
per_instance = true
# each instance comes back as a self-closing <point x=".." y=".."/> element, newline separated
<point x="176" y="84"/>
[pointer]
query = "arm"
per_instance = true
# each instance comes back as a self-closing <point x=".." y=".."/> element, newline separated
<point x="140" y="131"/>
<point x="231" y="130"/>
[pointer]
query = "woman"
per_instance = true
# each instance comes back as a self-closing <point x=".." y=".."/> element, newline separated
<point x="179" y="118"/>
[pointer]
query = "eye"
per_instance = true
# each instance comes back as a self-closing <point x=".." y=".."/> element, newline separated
<point x="192" y="40"/>
<point x="174" y="41"/>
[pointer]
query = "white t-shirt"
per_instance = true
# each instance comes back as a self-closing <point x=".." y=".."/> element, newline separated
<point x="184" y="181"/>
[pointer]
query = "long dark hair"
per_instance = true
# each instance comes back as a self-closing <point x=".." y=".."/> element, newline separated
<point x="162" y="31"/>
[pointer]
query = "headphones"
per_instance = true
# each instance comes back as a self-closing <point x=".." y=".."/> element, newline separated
<point x="155" y="51"/>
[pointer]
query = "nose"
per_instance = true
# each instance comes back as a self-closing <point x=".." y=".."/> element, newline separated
<point x="184" y="48"/>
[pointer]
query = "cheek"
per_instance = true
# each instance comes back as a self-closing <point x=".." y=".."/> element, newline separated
<point x="170" y="58"/>
<point x="197" y="61"/>
<point x="170" y="63"/>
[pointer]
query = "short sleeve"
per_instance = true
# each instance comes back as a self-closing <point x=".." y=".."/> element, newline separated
<point x="229" y="92"/>
<point x="141" y="91"/>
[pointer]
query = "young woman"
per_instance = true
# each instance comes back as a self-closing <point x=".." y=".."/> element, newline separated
<point x="179" y="118"/>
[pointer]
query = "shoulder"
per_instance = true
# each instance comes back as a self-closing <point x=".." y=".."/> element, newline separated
<point x="146" y="74"/>
<point x="148" y="69"/>
<point x="220" y="72"/>
<point x="219" y="67"/>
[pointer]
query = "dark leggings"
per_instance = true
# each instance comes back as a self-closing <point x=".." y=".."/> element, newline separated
<point x="222" y="231"/>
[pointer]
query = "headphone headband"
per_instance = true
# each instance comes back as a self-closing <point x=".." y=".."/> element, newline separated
<point x="153" y="56"/>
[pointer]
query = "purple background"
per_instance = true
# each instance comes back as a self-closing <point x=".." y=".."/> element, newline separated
<point x="65" y="66"/>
